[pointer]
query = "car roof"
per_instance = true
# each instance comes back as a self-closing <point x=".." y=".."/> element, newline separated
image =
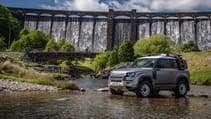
<point x="156" y="57"/>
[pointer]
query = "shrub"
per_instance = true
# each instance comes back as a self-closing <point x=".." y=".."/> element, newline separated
<point x="112" y="59"/>
<point x="51" y="46"/>
<point x="2" y="44"/>
<point x="126" y="51"/>
<point x="67" y="47"/>
<point x="60" y="43"/>
<point x="154" y="44"/>
<point x="100" y="61"/>
<point x="189" y="46"/>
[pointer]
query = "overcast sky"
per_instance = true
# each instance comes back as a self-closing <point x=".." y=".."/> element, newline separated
<point x="104" y="5"/>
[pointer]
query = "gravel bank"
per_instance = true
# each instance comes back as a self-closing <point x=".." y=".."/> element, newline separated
<point x="9" y="85"/>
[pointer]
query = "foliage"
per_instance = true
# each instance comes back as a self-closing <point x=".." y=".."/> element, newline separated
<point x="65" y="65"/>
<point x="112" y="59"/>
<point x="51" y="46"/>
<point x="100" y="61"/>
<point x="126" y="51"/>
<point x="67" y="47"/>
<point x="189" y="46"/>
<point x="154" y="44"/>
<point x="9" y="28"/>
<point x="59" y="46"/>
<point x="61" y="42"/>
<point x="30" y="39"/>
<point x="2" y="44"/>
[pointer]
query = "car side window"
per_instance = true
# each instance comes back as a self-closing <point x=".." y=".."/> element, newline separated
<point x="167" y="63"/>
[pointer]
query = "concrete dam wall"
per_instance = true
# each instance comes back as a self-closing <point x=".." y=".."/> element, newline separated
<point x="100" y="31"/>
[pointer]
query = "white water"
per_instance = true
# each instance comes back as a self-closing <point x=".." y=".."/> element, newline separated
<point x="143" y="29"/>
<point x="44" y="24"/>
<point x="122" y="31"/>
<point x="30" y="22"/>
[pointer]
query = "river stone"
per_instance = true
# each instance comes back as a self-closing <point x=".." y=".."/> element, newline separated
<point x="82" y="90"/>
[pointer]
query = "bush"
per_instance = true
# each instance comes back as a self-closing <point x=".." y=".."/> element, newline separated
<point x="32" y="39"/>
<point x="2" y="44"/>
<point x="51" y="46"/>
<point x="67" y="47"/>
<point x="126" y="52"/>
<point x="112" y="59"/>
<point x="189" y="46"/>
<point x="100" y="61"/>
<point x="154" y="44"/>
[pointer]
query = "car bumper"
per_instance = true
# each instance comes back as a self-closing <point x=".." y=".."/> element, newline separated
<point x="122" y="85"/>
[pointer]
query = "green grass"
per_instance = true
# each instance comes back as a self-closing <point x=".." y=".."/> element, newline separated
<point x="87" y="64"/>
<point x="199" y="65"/>
<point x="201" y="77"/>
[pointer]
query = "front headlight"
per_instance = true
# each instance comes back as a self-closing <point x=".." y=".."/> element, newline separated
<point x="131" y="74"/>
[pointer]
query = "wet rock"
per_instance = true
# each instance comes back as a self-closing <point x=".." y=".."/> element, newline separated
<point x="106" y="89"/>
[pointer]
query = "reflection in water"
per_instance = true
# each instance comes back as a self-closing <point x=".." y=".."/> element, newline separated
<point x="93" y="104"/>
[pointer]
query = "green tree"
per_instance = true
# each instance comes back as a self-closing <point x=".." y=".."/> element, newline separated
<point x="112" y="59"/>
<point x="32" y="39"/>
<point x="126" y="51"/>
<point x="9" y="28"/>
<point x="100" y="61"/>
<point x="154" y="44"/>
<point x="2" y="44"/>
<point x="189" y="46"/>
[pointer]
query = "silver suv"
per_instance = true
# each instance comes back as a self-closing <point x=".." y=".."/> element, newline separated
<point x="148" y="75"/>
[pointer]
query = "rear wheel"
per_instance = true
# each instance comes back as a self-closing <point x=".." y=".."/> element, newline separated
<point x="144" y="89"/>
<point x="116" y="92"/>
<point x="181" y="89"/>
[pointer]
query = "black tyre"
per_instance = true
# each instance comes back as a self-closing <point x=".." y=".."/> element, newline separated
<point x="144" y="89"/>
<point x="116" y="92"/>
<point x="181" y="89"/>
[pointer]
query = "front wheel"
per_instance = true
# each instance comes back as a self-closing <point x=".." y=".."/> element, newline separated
<point x="144" y="89"/>
<point x="181" y="89"/>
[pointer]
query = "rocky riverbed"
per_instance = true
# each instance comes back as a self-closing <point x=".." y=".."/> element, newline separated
<point x="9" y="85"/>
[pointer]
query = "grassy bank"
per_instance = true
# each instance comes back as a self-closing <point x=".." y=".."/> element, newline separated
<point x="199" y="64"/>
<point x="17" y="73"/>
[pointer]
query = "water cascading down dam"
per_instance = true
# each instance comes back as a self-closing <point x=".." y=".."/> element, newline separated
<point x="100" y="31"/>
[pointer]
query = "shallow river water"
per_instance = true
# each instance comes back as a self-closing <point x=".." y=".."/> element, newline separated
<point x="100" y="105"/>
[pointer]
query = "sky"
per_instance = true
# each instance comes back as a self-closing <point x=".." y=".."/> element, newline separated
<point x="104" y="5"/>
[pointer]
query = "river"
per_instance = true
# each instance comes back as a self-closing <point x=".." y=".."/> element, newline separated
<point x="101" y="105"/>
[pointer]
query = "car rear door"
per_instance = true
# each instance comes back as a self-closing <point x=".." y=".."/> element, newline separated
<point x="166" y="73"/>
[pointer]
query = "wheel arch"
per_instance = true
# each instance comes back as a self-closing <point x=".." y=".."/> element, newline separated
<point x="183" y="78"/>
<point x="145" y="78"/>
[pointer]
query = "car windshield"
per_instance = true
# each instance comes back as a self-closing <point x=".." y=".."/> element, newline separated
<point x="145" y="62"/>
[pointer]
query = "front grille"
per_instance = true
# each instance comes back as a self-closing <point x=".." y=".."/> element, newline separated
<point x="116" y="80"/>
